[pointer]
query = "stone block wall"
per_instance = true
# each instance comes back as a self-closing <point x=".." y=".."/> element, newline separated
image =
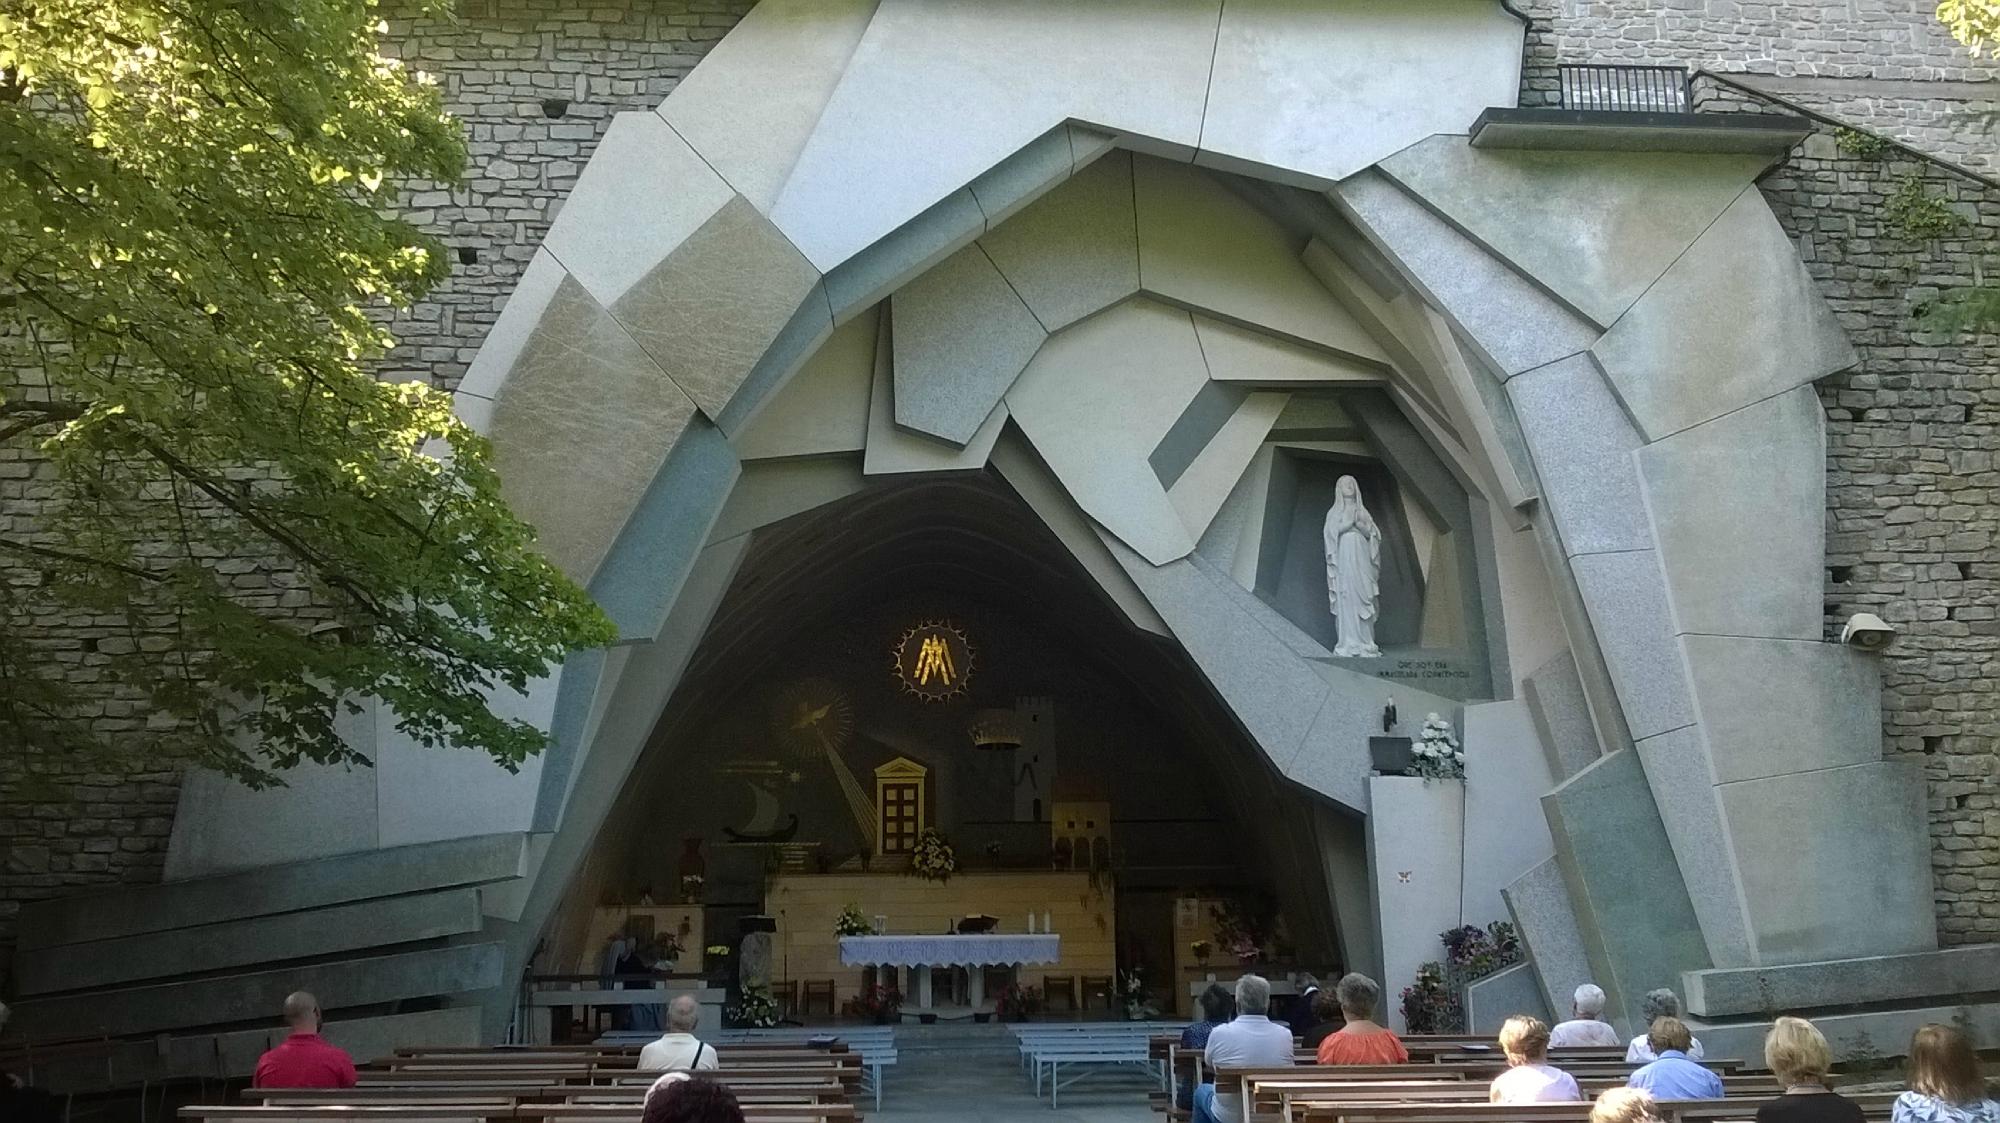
<point x="1913" y="476"/>
<point x="1883" y="65"/>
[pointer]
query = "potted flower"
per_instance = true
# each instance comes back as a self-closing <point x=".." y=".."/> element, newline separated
<point x="1201" y="949"/>
<point x="933" y="859"/>
<point x="691" y="884"/>
<point x="850" y="922"/>
<point x="1138" y="1000"/>
<point x="1016" y="1002"/>
<point x="1437" y="754"/>
<point x="879" y="1004"/>
<point x="755" y="1009"/>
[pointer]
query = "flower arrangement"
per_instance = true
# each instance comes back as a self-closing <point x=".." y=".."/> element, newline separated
<point x="1202" y="949"/>
<point x="1015" y="1002"/>
<point x="1436" y="755"/>
<point x="1240" y="929"/>
<point x="933" y="859"/>
<point x="850" y="922"/>
<point x="754" y="1009"/>
<point x="878" y="1003"/>
<point x="1138" y="1000"/>
<point x="1433" y="1004"/>
<point x="691" y="884"/>
<point x="720" y="951"/>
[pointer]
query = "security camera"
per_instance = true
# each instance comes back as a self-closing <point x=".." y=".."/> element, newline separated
<point x="1868" y="632"/>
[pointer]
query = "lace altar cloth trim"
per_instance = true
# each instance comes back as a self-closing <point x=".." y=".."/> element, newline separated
<point x="950" y="951"/>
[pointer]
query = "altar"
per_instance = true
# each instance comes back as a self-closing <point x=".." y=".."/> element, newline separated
<point x="917" y="917"/>
<point x="972" y="951"/>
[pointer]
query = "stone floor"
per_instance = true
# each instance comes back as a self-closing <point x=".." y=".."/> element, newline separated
<point x="989" y="1086"/>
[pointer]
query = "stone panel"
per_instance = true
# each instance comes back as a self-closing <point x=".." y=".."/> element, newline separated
<point x="256" y="996"/>
<point x="1509" y="322"/>
<point x="962" y="337"/>
<point x="891" y="450"/>
<point x="1200" y="491"/>
<point x="1555" y="697"/>
<point x="1538" y="903"/>
<point x="1075" y="250"/>
<point x="871" y="275"/>
<point x="238" y="943"/>
<point x="1842" y="982"/>
<point x="1775" y="706"/>
<point x="1312" y="93"/>
<point x="776" y="490"/>
<point x="712" y="307"/>
<point x="1626" y="598"/>
<point x="1414" y="847"/>
<point x="1506" y="775"/>
<point x="1638" y="928"/>
<point x="1594" y="228"/>
<point x="1739" y="507"/>
<point x="514" y="329"/>
<point x="1024" y="176"/>
<point x="1140" y="363"/>
<point x="753" y="101"/>
<point x="824" y="407"/>
<point x="1490" y="1001"/>
<point x="1205" y="246"/>
<point x="582" y="385"/>
<point x="606" y="242"/>
<point x="1683" y="782"/>
<point x="938" y="93"/>
<point x="1333" y="759"/>
<point x="1833" y="864"/>
<point x="642" y="575"/>
<point x="801" y="337"/>
<point x="1240" y="354"/>
<point x="1582" y="445"/>
<point x="1734" y="321"/>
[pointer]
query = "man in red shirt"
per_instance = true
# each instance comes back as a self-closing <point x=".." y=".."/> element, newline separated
<point x="305" y="1060"/>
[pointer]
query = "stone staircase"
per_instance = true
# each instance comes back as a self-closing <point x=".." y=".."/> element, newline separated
<point x="186" y="979"/>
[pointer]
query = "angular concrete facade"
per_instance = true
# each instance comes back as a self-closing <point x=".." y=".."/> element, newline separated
<point x="1162" y="320"/>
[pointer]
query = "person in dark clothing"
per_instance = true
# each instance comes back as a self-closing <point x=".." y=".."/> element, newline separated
<point x="1217" y="1007"/>
<point x="1301" y="1014"/>
<point x="697" y="1099"/>
<point x="1327" y="1020"/>
<point x="1797" y="1054"/>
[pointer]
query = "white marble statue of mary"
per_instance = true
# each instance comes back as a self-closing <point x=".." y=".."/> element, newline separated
<point x="1353" y="570"/>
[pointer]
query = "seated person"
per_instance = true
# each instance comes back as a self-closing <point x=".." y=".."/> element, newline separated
<point x="1252" y="1040"/>
<point x="1529" y="1077"/>
<point x="678" y="1049"/>
<point x="1326" y="1020"/>
<point x="1674" y="1075"/>
<point x="1661" y="1003"/>
<point x="1588" y="1027"/>
<point x="680" y="1098"/>
<point x="1624" y="1105"/>
<point x="1946" y="1085"/>
<point x="1361" y="1041"/>
<point x="1797" y="1054"/>
<point x="1300" y="1013"/>
<point x="1215" y="1010"/>
<point x="304" y="1059"/>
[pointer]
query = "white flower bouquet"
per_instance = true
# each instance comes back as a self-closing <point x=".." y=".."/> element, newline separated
<point x="1437" y="754"/>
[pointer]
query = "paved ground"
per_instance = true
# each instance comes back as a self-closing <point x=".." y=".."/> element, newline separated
<point x="991" y="1087"/>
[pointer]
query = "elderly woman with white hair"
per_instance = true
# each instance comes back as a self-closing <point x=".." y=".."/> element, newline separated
<point x="1588" y="1028"/>
<point x="1661" y="1003"/>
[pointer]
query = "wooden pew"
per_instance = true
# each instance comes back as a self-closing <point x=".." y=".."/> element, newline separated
<point x="1874" y="1106"/>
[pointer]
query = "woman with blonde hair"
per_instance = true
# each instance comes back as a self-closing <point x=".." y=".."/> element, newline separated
<point x="1529" y="1077"/>
<point x="1946" y="1085"/>
<point x="1797" y="1054"/>
<point x="1624" y="1105"/>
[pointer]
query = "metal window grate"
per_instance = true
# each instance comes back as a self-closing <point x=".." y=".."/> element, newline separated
<point x="1626" y="89"/>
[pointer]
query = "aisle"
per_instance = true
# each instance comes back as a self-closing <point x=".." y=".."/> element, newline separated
<point x="987" y="1085"/>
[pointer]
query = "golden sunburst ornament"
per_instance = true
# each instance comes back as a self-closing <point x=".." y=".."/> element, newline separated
<point x="933" y="660"/>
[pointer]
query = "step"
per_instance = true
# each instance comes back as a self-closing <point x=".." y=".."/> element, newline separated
<point x="248" y="942"/>
<point x="260" y="995"/>
<point x="273" y="889"/>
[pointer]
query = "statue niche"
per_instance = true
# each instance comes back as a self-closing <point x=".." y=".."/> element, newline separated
<point x="1353" y="571"/>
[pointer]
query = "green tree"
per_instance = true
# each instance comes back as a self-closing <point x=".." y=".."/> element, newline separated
<point x="1975" y="23"/>
<point x="195" y="266"/>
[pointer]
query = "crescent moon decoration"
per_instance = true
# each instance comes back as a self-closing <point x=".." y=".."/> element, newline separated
<point x="933" y="660"/>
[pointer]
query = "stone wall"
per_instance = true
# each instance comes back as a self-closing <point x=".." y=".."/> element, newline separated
<point x="1913" y="479"/>
<point x="1883" y="65"/>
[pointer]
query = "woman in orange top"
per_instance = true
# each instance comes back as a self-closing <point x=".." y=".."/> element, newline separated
<point x="1361" y="1041"/>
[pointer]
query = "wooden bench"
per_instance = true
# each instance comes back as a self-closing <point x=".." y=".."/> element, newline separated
<point x="1874" y="1106"/>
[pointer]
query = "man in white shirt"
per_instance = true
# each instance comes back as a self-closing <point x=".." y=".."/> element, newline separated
<point x="1589" y="1026"/>
<point x="1253" y="1040"/>
<point x="678" y="1049"/>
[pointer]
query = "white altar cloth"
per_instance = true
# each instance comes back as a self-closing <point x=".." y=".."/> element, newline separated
<point x="970" y="951"/>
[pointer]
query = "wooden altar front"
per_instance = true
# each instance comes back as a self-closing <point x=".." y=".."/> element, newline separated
<point x="806" y="906"/>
